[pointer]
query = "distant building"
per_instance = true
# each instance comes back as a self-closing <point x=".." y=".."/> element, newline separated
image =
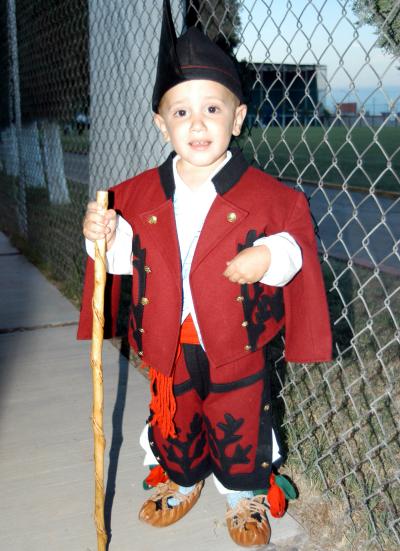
<point x="285" y="93"/>
<point x="349" y="108"/>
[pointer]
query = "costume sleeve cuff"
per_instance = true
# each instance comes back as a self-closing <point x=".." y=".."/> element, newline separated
<point x="286" y="258"/>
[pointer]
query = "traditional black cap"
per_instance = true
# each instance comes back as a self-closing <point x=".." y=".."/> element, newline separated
<point x="192" y="56"/>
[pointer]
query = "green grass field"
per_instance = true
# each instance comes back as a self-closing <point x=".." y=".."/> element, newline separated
<point x="337" y="155"/>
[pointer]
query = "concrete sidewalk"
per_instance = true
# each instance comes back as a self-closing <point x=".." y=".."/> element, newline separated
<point x="46" y="443"/>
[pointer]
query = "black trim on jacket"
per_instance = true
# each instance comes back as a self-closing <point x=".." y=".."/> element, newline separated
<point x="224" y="180"/>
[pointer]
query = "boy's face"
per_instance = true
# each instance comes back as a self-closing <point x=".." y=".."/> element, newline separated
<point x="199" y="117"/>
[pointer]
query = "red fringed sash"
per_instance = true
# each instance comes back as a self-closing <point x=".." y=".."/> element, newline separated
<point x="163" y="404"/>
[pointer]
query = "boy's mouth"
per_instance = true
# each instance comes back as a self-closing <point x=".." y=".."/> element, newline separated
<point x="199" y="144"/>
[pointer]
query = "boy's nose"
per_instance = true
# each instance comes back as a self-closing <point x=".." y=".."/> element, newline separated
<point x="197" y="124"/>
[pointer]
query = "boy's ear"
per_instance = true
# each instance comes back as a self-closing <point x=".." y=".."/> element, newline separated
<point x="159" y="122"/>
<point x="240" y="115"/>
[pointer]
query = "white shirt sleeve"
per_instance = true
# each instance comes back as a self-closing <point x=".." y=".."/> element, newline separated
<point x="286" y="258"/>
<point x="119" y="256"/>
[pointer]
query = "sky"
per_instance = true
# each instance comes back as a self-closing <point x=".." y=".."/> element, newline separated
<point x="323" y="32"/>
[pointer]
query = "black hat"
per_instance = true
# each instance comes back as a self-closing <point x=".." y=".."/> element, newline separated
<point x="192" y="56"/>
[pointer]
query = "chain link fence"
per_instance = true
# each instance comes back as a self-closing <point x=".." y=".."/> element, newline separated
<point x="323" y="117"/>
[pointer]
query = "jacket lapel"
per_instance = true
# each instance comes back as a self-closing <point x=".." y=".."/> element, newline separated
<point x="158" y="225"/>
<point x="222" y="219"/>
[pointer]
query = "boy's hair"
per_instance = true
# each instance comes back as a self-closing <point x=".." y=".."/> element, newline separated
<point x="192" y="56"/>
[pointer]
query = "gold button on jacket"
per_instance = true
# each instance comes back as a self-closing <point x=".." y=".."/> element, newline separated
<point x="152" y="219"/>
<point x="231" y="217"/>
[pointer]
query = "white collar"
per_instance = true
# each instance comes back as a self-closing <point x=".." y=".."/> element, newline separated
<point x="180" y="184"/>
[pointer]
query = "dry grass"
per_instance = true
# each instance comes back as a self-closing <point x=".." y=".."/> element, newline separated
<point x="342" y="419"/>
<point x="326" y="519"/>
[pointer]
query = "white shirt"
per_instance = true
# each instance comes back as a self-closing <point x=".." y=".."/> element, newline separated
<point x="191" y="208"/>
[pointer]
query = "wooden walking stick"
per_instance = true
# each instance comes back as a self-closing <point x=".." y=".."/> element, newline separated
<point x="97" y="376"/>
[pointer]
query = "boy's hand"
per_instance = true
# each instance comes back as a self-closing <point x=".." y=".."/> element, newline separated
<point x="99" y="224"/>
<point x="249" y="265"/>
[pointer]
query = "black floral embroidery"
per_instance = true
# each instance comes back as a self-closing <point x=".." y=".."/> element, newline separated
<point x="183" y="452"/>
<point x="218" y="446"/>
<point x="258" y="307"/>
<point x="138" y="265"/>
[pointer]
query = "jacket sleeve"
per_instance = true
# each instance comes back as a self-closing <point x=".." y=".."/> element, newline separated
<point x="308" y="333"/>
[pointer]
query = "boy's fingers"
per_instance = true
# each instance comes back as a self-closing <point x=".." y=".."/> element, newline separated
<point x="93" y="208"/>
<point x="227" y="273"/>
<point x="96" y="228"/>
<point x="233" y="271"/>
<point x="238" y="277"/>
<point x="100" y="216"/>
<point x="110" y="215"/>
<point x="229" y="267"/>
<point x="233" y="276"/>
<point x="94" y="225"/>
<point x="96" y="221"/>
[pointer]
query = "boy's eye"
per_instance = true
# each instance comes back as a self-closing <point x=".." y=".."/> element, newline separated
<point x="213" y="109"/>
<point x="180" y="113"/>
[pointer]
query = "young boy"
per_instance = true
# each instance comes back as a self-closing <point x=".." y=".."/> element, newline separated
<point x="222" y="256"/>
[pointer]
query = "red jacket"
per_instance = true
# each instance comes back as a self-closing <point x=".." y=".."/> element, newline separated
<point x="233" y="319"/>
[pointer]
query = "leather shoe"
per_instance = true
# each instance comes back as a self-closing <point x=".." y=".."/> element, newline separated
<point x="156" y="510"/>
<point x="248" y="524"/>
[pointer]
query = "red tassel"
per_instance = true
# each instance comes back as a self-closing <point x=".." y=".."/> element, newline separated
<point x="162" y="403"/>
<point x="156" y="476"/>
<point x="276" y="499"/>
